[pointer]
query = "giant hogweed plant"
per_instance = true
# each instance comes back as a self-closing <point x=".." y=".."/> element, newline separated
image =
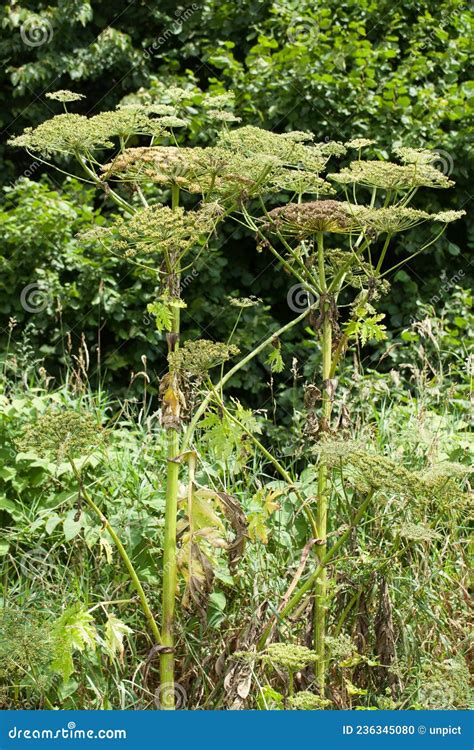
<point x="171" y="199"/>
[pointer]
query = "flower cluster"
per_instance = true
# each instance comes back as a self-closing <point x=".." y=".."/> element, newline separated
<point x="289" y="148"/>
<point x="398" y="218"/>
<point x="63" y="95"/>
<point x="62" y="434"/>
<point x="307" y="701"/>
<point x="359" y="143"/>
<point x="367" y="470"/>
<point x="301" y="181"/>
<point x="197" y="357"/>
<point x="414" y="155"/>
<point x="389" y="176"/>
<point x="161" y="230"/>
<point x="417" y="532"/>
<point x="389" y="220"/>
<point x="77" y="134"/>
<point x="63" y="134"/>
<point x="289" y="656"/>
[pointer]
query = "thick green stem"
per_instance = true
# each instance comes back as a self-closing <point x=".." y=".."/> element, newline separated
<point x="169" y="572"/>
<point x="123" y="554"/>
<point x="167" y="691"/>
<point x="320" y="602"/>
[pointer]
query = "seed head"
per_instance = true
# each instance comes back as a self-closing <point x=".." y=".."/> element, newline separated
<point x="289" y="656"/>
<point x="62" y="433"/>
<point x="303" y="220"/>
<point x="307" y="701"/>
<point x="161" y="230"/>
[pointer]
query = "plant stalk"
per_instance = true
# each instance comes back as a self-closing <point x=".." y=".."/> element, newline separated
<point x="320" y="591"/>
<point x="167" y="689"/>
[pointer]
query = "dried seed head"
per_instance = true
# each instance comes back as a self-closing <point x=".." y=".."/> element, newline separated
<point x="303" y="220"/>
<point x="164" y="165"/>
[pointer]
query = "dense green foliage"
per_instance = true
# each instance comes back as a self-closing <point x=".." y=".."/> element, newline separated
<point x="400" y="74"/>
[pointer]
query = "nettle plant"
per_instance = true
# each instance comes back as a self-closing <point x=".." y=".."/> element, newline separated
<point x="333" y="236"/>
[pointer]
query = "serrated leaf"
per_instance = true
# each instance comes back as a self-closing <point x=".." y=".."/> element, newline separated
<point x="163" y="315"/>
<point x="115" y="630"/>
<point x="275" y="360"/>
<point x="73" y="631"/>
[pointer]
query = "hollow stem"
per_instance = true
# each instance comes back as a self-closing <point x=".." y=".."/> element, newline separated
<point x="169" y="544"/>
<point x="320" y="591"/>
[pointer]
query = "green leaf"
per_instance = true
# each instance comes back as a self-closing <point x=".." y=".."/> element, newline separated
<point x="52" y="522"/>
<point x="275" y="360"/>
<point x="115" y="630"/>
<point x="73" y="631"/>
<point x="71" y="527"/>
<point x="217" y="598"/>
<point x="163" y="315"/>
